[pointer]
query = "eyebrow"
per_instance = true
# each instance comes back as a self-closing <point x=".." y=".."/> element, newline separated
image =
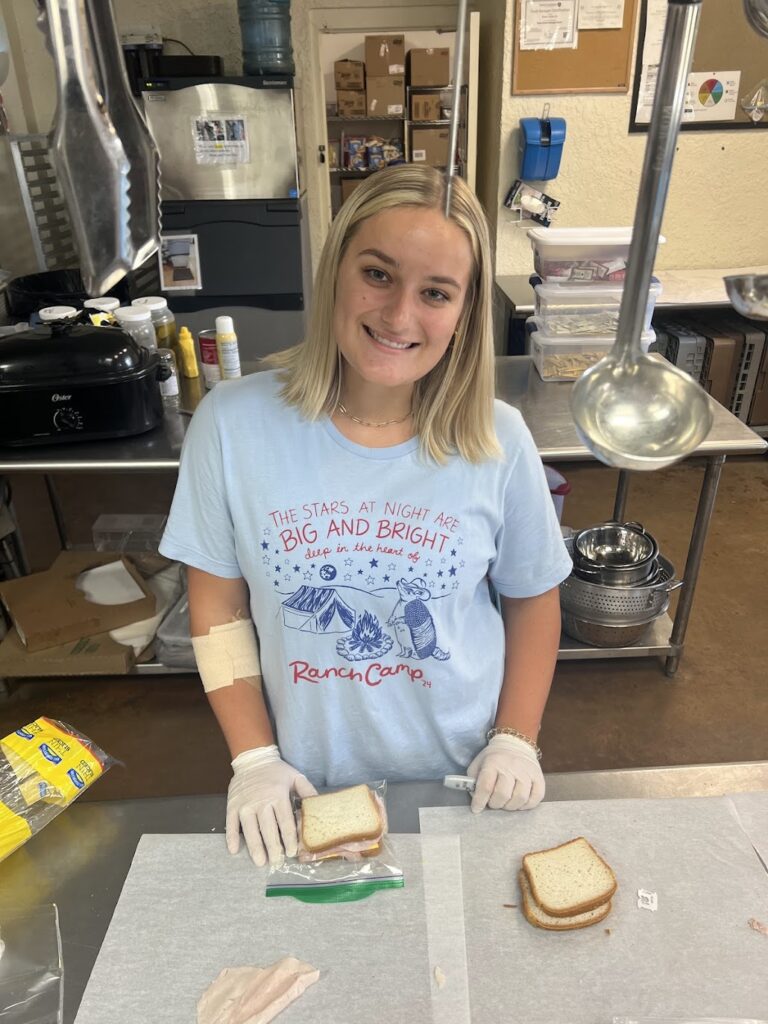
<point x="379" y="255"/>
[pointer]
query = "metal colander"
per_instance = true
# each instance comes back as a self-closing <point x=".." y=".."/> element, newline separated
<point x="597" y="634"/>
<point x="619" y="606"/>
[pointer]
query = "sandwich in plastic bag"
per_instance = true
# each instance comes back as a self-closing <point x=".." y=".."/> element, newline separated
<point x="44" y="766"/>
<point x="343" y="852"/>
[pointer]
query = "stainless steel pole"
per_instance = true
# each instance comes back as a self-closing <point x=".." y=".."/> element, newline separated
<point x="458" y="69"/>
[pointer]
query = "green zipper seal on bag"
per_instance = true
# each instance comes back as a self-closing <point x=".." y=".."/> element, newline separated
<point x="347" y="892"/>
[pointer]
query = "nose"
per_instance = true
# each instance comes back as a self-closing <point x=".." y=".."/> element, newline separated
<point x="396" y="312"/>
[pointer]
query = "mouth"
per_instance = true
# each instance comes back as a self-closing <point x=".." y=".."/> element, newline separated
<point x="390" y="343"/>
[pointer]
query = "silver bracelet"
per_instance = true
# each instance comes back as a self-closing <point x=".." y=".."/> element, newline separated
<point x="507" y="731"/>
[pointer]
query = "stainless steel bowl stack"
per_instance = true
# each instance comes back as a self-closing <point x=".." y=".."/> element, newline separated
<point x="620" y="583"/>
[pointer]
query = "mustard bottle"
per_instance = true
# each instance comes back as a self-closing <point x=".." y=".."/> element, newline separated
<point x="188" y="356"/>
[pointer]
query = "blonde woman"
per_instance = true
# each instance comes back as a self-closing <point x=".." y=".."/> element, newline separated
<point x="348" y="508"/>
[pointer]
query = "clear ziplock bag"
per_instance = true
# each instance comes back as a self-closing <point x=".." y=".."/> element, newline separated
<point x="44" y="766"/>
<point x="334" y="879"/>
<point x="31" y="967"/>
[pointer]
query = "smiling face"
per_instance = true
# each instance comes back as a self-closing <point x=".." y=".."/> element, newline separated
<point x="400" y="291"/>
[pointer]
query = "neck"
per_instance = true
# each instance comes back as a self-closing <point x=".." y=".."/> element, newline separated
<point x="373" y="402"/>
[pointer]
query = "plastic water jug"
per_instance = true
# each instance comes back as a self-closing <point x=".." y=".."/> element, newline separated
<point x="265" y="26"/>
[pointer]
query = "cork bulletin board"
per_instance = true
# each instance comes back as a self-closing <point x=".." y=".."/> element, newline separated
<point x="726" y="46"/>
<point x="600" y="63"/>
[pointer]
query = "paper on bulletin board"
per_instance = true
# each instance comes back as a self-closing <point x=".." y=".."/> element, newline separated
<point x="549" y="25"/>
<point x="712" y="96"/>
<point x="595" y="14"/>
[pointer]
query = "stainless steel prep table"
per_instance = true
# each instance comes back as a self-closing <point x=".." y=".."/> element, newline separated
<point x="80" y="860"/>
<point x="547" y="413"/>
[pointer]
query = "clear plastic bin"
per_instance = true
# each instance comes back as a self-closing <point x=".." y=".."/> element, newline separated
<point x="585" y="255"/>
<point x="173" y="643"/>
<point x="567" y="358"/>
<point x="128" y="532"/>
<point x="584" y="310"/>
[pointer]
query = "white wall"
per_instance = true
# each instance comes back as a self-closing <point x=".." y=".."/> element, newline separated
<point x="717" y="211"/>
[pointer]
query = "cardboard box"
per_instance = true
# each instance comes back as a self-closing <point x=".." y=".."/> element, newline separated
<point x="93" y="655"/>
<point x="384" y="55"/>
<point x="386" y="96"/>
<point x="351" y="103"/>
<point x="348" y="186"/>
<point x="430" y="146"/>
<point x="47" y="609"/>
<point x="429" y="67"/>
<point x="426" y="106"/>
<point x="349" y="74"/>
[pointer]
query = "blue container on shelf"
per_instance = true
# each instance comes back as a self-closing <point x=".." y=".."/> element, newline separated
<point x="265" y="26"/>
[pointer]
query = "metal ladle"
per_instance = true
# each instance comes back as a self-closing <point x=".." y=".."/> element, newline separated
<point x="633" y="410"/>
<point x="749" y="293"/>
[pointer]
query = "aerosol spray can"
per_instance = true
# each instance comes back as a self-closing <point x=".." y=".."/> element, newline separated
<point x="209" y="358"/>
<point x="226" y="343"/>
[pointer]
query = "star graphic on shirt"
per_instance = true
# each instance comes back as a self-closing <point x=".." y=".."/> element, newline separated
<point x="370" y="580"/>
<point x="410" y="568"/>
<point x="373" y="563"/>
<point x="442" y="587"/>
<point x="297" y="568"/>
<point x="452" y="571"/>
<point x="461" y="565"/>
<point x="313" y="565"/>
<point x="266" y="531"/>
<point x="386" y="579"/>
<point x="278" y="570"/>
<point x="287" y="579"/>
<point x="264" y="546"/>
<point x="428" y="562"/>
<point x="348" y="562"/>
<point x="359" y="572"/>
<point x="455" y="585"/>
<point x="307" y="576"/>
<point x="391" y="566"/>
<point x="277" y="551"/>
<point x="277" y="583"/>
<point x="347" y="577"/>
<point x="443" y="561"/>
<point x="439" y="572"/>
<point x="459" y="540"/>
<point x="265" y="560"/>
<point x="453" y="553"/>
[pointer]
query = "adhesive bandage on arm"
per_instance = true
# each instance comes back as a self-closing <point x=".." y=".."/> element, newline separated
<point x="228" y="652"/>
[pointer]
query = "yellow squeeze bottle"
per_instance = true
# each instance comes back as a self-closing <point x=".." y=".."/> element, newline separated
<point x="188" y="356"/>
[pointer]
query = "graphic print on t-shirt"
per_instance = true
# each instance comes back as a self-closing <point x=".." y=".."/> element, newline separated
<point x="364" y="582"/>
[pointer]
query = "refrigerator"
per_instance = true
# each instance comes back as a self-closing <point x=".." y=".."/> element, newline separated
<point x="229" y="189"/>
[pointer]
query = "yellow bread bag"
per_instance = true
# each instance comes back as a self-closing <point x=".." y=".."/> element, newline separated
<point x="44" y="766"/>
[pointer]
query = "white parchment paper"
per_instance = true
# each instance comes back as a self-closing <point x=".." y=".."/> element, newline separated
<point x="752" y="813"/>
<point x="695" y="956"/>
<point x="188" y="909"/>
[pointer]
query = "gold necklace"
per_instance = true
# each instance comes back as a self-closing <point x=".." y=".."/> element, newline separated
<point x="367" y="423"/>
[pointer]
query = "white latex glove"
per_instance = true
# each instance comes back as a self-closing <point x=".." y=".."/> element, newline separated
<point x="508" y="776"/>
<point x="259" y="802"/>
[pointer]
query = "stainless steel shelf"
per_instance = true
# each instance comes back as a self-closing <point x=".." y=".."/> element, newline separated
<point x="154" y="668"/>
<point x="655" y="643"/>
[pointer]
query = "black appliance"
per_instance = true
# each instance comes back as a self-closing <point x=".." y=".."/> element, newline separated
<point x="74" y="382"/>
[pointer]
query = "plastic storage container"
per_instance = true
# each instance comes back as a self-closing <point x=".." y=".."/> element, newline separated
<point x="265" y="27"/>
<point x="128" y="532"/>
<point x="564" y="358"/>
<point x="163" y="319"/>
<point x="584" y="310"/>
<point x="584" y="255"/>
<point x="137" y="321"/>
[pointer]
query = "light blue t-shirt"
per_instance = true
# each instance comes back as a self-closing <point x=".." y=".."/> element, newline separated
<point x="381" y="649"/>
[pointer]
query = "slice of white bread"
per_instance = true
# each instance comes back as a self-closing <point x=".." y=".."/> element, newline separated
<point x="347" y="816"/>
<point x="538" y="917"/>
<point x="569" y="879"/>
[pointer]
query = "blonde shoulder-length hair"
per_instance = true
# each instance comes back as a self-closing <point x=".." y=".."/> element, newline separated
<point x="453" y="403"/>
